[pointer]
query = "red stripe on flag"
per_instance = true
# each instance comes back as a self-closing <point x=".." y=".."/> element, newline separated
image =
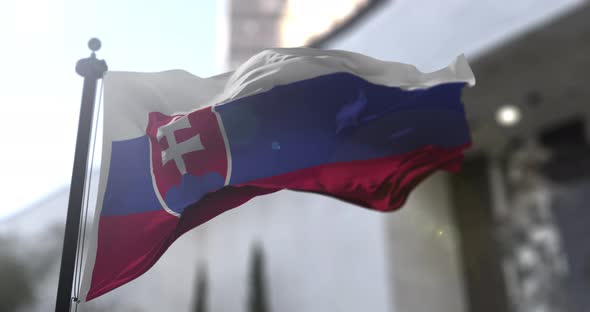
<point x="129" y="245"/>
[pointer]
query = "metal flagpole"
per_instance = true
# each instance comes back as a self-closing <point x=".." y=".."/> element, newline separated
<point x="92" y="70"/>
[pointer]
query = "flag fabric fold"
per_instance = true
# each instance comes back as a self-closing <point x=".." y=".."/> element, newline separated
<point x="179" y="150"/>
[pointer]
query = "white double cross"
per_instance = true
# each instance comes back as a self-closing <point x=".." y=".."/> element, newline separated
<point x="176" y="149"/>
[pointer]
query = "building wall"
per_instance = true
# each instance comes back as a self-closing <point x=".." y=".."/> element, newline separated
<point x="423" y="251"/>
<point x="325" y="255"/>
<point x="320" y="254"/>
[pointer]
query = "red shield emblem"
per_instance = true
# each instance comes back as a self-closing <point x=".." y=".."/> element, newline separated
<point x="188" y="157"/>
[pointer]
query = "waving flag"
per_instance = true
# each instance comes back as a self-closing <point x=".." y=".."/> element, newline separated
<point x="179" y="150"/>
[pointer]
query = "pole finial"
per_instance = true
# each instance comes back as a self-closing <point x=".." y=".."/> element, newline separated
<point x="94" y="44"/>
<point x="92" y="67"/>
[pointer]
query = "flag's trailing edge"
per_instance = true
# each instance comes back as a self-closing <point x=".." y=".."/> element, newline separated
<point x="179" y="150"/>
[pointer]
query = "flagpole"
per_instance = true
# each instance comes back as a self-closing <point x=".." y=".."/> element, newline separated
<point x="92" y="70"/>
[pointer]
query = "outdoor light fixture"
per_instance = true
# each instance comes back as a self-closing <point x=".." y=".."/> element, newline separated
<point x="508" y="115"/>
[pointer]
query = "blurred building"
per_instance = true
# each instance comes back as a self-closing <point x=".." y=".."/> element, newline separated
<point x="260" y="24"/>
<point x="530" y="118"/>
<point x="253" y="26"/>
<point x="490" y="239"/>
<point x="507" y="234"/>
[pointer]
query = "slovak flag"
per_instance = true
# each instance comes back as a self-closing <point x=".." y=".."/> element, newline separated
<point x="179" y="150"/>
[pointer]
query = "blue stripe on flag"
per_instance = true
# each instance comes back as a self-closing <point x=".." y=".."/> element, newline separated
<point x="336" y="118"/>
<point x="129" y="185"/>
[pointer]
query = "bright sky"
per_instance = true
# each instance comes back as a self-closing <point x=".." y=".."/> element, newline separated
<point x="40" y="42"/>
